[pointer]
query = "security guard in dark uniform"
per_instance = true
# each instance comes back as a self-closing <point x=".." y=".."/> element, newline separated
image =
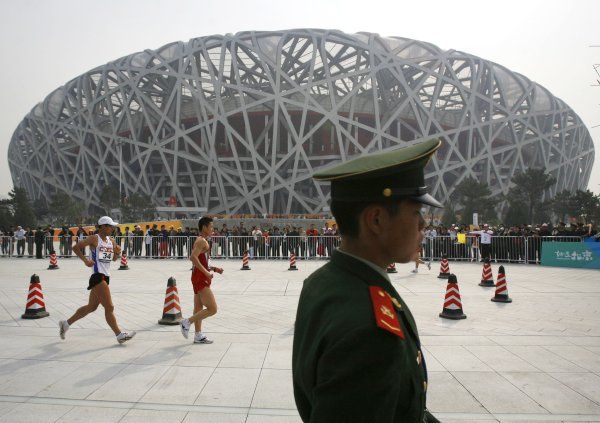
<point x="357" y="355"/>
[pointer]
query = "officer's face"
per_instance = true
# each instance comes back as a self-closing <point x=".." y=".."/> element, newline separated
<point x="405" y="232"/>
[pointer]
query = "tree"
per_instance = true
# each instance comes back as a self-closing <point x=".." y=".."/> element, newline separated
<point x="527" y="192"/>
<point x="586" y="205"/>
<point x="449" y="216"/>
<point x="6" y="215"/>
<point x="64" y="210"/>
<point x="138" y="207"/>
<point x="562" y="205"/>
<point x="22" y="208"/>
<point x="475" y="197"/>
<point x="109" y="198"/>
<point x="40" y="209"/>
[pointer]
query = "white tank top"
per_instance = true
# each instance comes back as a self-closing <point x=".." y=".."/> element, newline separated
<point x="102" y="255"/>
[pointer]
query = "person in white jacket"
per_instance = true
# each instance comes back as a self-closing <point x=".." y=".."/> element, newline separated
<point x="485" y="242"/>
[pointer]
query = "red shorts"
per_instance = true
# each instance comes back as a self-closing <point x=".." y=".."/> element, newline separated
<point x="199" y="281"/>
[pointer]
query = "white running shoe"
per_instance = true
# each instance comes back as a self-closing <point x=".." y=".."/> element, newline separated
<point x="415" y="271"/>
<point x="429" y="265"/>
<point x="185" y="328"/>
<point x="202" y="340"/>
<point x="63" y="327"/>
<point x="125" y="336"/>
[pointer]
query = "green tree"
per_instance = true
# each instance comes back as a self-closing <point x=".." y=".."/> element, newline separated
<point x="109" y="198"/>
<point x="449" y="216"/>
<point x="6" y="214"/>
<point x="22" y="208"/>
<point x="138" y="207"/>
<point x="64" y="210"/>
<point x="562" y="205"/>
<point x="475" y="197"/>
<point x="527" y="192"/>
<point x="40" y="209"/>
<point x="586" y="205"/>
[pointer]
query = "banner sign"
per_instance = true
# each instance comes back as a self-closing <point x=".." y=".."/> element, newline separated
<point x="571" y="254"/>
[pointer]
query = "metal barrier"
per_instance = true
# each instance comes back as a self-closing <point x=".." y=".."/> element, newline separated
<point x="516" y="249"/>
<point x="504" y="249"/>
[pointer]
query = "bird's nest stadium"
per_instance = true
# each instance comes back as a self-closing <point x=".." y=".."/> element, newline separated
<point x="236" y="124"/>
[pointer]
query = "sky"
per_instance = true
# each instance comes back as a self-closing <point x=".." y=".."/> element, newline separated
<point x="44" y="44"/>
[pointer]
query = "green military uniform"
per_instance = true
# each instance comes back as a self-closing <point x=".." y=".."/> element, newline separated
<point x="356" y="354"/>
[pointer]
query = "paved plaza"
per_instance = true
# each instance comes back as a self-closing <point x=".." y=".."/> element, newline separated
<point x="534" y="360"/>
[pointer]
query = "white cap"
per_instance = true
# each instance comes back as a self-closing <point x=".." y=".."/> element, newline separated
<point x="105" y="220"/>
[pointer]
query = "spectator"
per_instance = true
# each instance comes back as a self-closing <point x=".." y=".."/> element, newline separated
<point x="164" y="237"/>
<point x="49" y="237"/>
<point x="486" y="241"/>
<point x="29" y="236"/>
<point x="148" y="241"/>
<point x="172" y="241"/>
<point x="311" y="235"/>
<point x="256" y="233"/>
<point x="20" y="235"/>
<point x="180" y="242"/>
<point x="40" y="237"/>
<point x="127" y="241"/>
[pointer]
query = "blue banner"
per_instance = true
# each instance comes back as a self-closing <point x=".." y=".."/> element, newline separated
<point x="571" y="254"/>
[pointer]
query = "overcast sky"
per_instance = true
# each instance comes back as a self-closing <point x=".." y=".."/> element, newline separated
<point x="46" y="43"/>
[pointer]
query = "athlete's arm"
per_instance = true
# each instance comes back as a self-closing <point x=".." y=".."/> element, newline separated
<point x="200" y="246"/>
<point x="90" y="241"/>
<point x="116" y="249"/>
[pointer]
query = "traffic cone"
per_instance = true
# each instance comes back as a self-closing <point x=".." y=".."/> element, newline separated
<point x="53" y="261"/>
<point x="245" y="265"/>
<point x="487" y="279"/>
<point x="171" y="309"/>
<point x="292" y="262"/>
<point x="391" y="268"/>
<point x="501" y="295"/>
<point x="35" y="307"/>
<point x="124" y="265"/>
<point x="452" y="303"/>
<point x="444" y="268"/>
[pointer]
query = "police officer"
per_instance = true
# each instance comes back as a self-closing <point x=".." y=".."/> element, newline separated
<point x="357" y="355"/>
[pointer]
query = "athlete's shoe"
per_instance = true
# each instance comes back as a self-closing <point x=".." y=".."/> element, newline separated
<point x="202" y="340"/>
<point x="185" y="328"/>
<point x="429" y="265"/>
<point x="415" y="270"/>
<point x="63" y="327"/>
<point x="125" y="336"/>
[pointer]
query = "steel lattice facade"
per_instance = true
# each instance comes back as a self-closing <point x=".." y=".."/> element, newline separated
<point x="238" y="123"/>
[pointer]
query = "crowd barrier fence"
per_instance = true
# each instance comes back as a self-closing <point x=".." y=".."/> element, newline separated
<point x="516" y="249"/>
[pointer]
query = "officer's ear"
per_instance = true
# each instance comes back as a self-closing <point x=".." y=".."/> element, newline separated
<point x="375" y="219"/>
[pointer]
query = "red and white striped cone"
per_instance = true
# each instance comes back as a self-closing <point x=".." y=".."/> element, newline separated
<point x="444" y="268"/>
<point x="501" y="295"/>
<point x="487" y="279"/>
<point x="53" y="261"/>
<point x="35" y="307"/>
<point x="124" y="265"/>
<point x="245" y="265"/>
<point x="171" y="309"/>
<point x="452" y="303"/>
<point x="391" y="268"/>
<point x="293" y="262"/>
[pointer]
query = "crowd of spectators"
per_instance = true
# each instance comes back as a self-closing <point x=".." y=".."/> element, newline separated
<point x="457" y="241"/>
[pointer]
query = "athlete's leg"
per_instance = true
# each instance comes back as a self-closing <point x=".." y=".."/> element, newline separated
<point x="102" y="291"/>
<point x="198" y="306"/>
<point x="90" y="307"/>
<point x="208" y="301"/>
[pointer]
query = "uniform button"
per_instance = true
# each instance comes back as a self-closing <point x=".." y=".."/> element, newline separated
<point x="419" y="358"/>
<point x="425" y="386"/>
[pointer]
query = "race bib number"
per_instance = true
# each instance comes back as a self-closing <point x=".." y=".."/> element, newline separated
<point x="105" y="255"/>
